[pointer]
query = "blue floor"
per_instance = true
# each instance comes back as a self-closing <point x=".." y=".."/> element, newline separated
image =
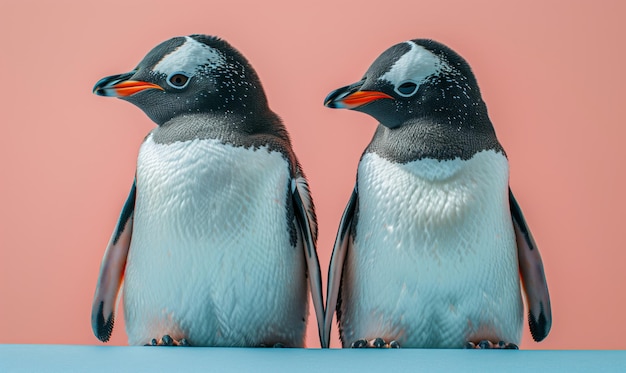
<point x="65" y="358"/>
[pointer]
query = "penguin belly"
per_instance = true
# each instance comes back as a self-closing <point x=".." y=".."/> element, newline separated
<point x="433" y="262"/>
<point x="212" y="258"/>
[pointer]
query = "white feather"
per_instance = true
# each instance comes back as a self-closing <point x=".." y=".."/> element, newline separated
<point x="189" y="57"/>
<point x="434" y="260"/>
<point x="416" y="65"/>
<point x="210" y="257"/>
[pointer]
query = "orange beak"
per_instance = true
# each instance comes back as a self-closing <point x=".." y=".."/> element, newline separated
<point x="360" y="98"/>
<point x="119" y="86"/>
<point x="130" y="87"/>
<point x="351" y="96"/>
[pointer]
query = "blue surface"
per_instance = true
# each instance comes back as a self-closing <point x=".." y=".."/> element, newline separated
<point x="62" y="358"/>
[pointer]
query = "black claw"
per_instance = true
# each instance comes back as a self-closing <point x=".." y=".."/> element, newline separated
<point x="394" y="344"/>
<point x="361" y="343"/>
<point x="167" y="340"/>
<point x="378" y="343"/>
<point x="485" y="345"/>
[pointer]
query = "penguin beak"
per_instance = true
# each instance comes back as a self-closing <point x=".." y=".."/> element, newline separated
<point x="351" y="97"/>
<point x="120" y="86"/>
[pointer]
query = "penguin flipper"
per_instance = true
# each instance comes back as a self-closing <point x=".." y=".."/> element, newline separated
<point x="112" y="272"/>
<point x="307" y="225"/>
<point x="335" y="270"/>
<point x="532" y="274"/>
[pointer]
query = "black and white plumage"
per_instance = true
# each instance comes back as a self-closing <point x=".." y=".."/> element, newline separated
<point x="432" y="243"/>
<point x="217" y="238"/>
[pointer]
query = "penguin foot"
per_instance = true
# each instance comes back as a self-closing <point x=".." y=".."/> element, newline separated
<point x="275" y="345"/>
<point x="374" y="343"/>
<point x="168" y="341"/>
<point x="488" y="345"/>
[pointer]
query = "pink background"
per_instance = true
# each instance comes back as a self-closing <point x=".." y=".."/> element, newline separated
<point x="551" y="72"/>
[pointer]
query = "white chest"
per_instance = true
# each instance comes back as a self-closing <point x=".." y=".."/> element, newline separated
<point x="428" y="203"/>
<point x="434" y="248"/>
<point x="204" y="190"/>
<point x="210" y="243"/>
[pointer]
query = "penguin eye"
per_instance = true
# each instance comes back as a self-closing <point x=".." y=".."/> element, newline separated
<point x="178" y="80"/>
<point x="407" y="89"/>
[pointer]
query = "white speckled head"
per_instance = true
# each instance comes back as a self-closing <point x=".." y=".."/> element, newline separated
<point x="427" y="94"/>
<point x="415" y="66"/>
<point x="189" y="58"/>
<point x="190" y="75"/>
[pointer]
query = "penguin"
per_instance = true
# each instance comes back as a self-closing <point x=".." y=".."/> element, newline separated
<point x="432" y="243"/>
<point x="216" y="243"/>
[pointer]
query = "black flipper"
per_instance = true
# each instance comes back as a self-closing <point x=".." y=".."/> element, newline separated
<point x="340" y="249"/>
<point x="532" y="274"/>
<point x="112" y="272"/>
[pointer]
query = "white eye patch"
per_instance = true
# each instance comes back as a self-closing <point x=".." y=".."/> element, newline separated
<point x="188" y="57"/>
<point x="416" y="66"/>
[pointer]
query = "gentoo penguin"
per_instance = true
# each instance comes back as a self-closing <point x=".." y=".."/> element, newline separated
<point x="432" y="243"/>
<point x="217" y="237"/>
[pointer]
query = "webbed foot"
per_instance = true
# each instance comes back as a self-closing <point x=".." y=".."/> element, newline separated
<point x="374" y="343"/>
<point x="275" y="345"/>
<point x="168" y="341"/>
<point x="488" y="345"/>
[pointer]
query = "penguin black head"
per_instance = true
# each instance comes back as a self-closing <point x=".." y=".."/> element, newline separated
<point x="416" y="79"/>
<point x="427" y="101"/>
<point x="191" y="74"/>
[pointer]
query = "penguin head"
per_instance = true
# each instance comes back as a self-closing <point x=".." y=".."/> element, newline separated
<point x="185" y="75"/>
<point x="414" y="80"/>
